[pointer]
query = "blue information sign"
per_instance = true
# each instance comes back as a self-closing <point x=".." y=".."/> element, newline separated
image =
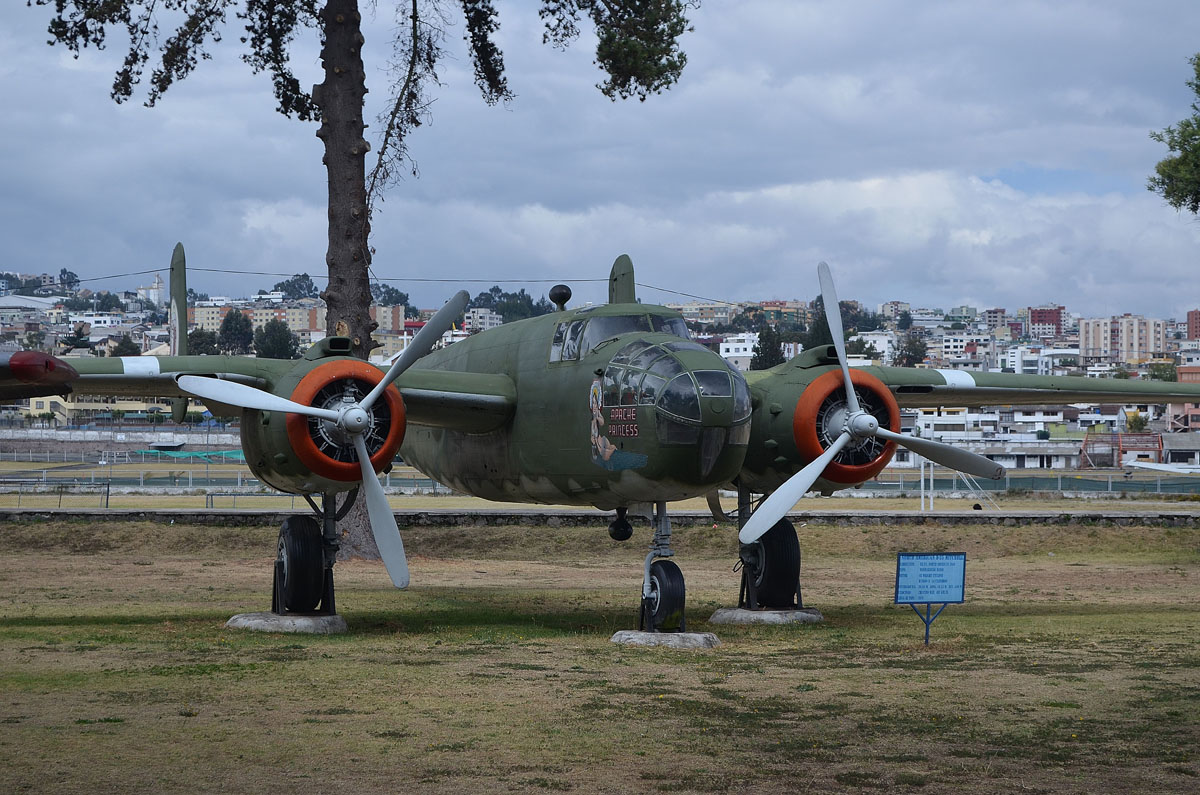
<point x="924" y="578"/>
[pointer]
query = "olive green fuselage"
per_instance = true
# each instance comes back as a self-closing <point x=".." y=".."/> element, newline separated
<point x="577" y="433"/>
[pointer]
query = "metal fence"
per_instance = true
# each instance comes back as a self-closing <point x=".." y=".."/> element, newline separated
<point x="1111" y="482"/>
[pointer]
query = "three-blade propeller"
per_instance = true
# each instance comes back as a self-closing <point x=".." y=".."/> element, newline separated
<point x="354" y="420"/>
<point x="858" y="425"/>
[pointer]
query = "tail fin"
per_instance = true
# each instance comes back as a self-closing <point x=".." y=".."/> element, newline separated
<point x="621" y="289"/>
<point x="179" y="314"/>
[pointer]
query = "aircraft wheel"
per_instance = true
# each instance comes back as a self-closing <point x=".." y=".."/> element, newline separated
<point x="664" y="607"/>
<point x="303" y="559"/>
<point x="774" y="566"/>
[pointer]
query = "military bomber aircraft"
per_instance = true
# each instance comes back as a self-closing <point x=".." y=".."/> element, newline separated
<point x="612" y="406"/>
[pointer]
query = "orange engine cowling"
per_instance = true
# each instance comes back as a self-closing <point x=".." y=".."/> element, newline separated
<point x="321" y="446"/>
<point x="818" y="418"/>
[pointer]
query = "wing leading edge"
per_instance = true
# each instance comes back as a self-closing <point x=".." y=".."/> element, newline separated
<point x="917" y="388"/>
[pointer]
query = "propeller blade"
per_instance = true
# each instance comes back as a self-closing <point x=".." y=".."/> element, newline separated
<point x="833" y="317"/>
<point x="247" y="397"/>
<point x="786" y="496"/>
<point x="421" y="344"/>
<point x="383" y="521"/>
<point x="946" y="455"/>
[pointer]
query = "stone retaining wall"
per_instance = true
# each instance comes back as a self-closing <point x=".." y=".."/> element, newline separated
<point x="586" y="518"/>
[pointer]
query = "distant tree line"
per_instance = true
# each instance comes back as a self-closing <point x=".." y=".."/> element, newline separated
<point x="511" y="306"/>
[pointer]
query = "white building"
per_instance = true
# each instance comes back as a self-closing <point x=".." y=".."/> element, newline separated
<point x="738" y="349"/>
<point x="155" y="294"/>
<point x="883" y="341"/>
<point x="99" y="319"/>
<point x="480" y="319"/>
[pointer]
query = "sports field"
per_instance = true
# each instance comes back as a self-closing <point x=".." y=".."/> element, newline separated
<point x="1074" y="666"/>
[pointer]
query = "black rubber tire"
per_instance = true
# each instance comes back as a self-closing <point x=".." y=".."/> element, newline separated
<point x="779" y="566"/>
<point x="303" y="557"/>
<point x="667" y="597"/>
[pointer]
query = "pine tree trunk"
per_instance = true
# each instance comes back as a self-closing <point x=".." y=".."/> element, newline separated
<point x="348" y="294"/>
<point x="340" y="99"/>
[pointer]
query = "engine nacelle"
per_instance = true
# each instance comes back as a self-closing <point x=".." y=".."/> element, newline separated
<point x="298" y="454"/>
<point x="820" y="416"/>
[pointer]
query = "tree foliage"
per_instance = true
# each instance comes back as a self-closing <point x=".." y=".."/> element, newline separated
<point x="76" y="339"/>
<point x="768" y="351"/>
<point x="202" y="343"/>
<point x="1177" y="178"/>
<point x="1162" y="371"/>
<point x="860" y="347"/>
<point x="387" y="295"/>
<point x="236" y="334"/>
<point x="274" y="340"/>
<point x="912" y="351"/>
<point x="299" y="286"/>
<point x="126" y="347"/>
<point x="637" y="47"/>
<point x="511" y="306"/>
<point x="34" y="341"/>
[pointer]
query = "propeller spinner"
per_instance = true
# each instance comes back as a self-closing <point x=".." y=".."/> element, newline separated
<point x="858" y="425"/>
<point x="353" y="419"/>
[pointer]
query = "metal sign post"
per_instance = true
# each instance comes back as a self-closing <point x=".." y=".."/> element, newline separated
<point x="930" y="578"/>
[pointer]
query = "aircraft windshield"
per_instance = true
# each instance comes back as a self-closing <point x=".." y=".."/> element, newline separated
<point x="575" y="338"/>
<point x="600" y="329"/>
<point x="671" y="325"/>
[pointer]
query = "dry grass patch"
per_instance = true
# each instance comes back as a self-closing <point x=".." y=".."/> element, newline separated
<point x="496" y="674"/>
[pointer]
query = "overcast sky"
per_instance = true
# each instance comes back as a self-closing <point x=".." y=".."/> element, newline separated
<point x="940" y="153"/>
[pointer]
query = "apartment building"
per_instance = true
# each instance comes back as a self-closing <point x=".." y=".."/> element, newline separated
<point x="707" y="313"/>
<point x="1124" y="339"/>
<point x="480" y="318"/>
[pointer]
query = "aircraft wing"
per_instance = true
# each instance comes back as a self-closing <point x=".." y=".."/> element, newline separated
<point x="27" y="374"/>
<point x="471" y="402"/>
<point x="920" y="388"/>
<point x="155" y="376"/>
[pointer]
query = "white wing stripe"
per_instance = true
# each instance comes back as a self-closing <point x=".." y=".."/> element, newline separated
<point x="958" y="378"/>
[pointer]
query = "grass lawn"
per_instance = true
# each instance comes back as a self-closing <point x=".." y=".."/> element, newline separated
<point x="1074" y="666"/>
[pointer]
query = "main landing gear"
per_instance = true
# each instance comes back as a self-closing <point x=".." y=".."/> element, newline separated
<point x="771" y="570"/>
<point x="308" y="546"/>
<point x="770" y="566"/>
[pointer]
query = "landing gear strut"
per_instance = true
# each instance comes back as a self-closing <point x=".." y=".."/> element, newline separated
<point x="663" y="590"/>
<point x="308" y="546"/>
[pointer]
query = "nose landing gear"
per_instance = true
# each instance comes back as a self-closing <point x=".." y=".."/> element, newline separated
<point x="663" y="591"/>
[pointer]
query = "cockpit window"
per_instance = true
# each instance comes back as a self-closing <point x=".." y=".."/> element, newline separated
<point x="565" y="346"/>
<point x="681" y="399"/>
<point x="671" y="325"/>
<point x="714" y="383"/>
<point x="631" y="352"/>
<point x="651" y="386"/>
<point x="644" y="358"/>
<point x="685" y="346"/>
<point x="666" y="366"/>
<point x="600" y="329"/>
